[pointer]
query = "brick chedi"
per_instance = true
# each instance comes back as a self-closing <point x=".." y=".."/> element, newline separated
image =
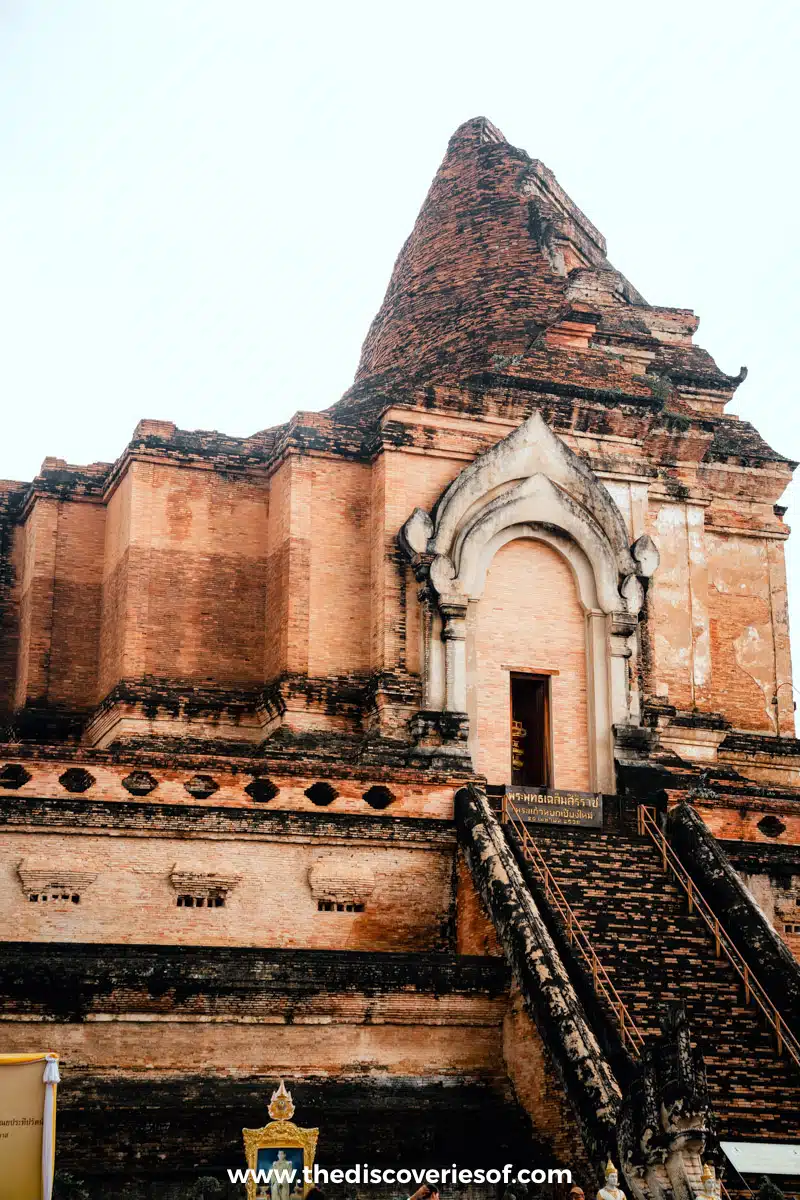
<point x="260" y="698"/>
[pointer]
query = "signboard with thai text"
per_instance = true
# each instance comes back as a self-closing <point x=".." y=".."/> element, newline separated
<point x="542" y="806"/>
<point x="27" y="1125"/>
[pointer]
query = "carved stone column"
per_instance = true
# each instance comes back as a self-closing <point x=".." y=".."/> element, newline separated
<point x="432" y="651"/>
<point x="625" y="708"/>
<point x="599" y="693"/>
<point x="454" y="636"/>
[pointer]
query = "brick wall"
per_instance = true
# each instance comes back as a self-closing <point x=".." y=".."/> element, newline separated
<point x="670" y="619"/>
<point x="105" y="800"/>
<point x="749" y="632"/>
<point x="115" y="615"/>
<point x="288" y="559"/>
<point x="190" y="542"/>
<point x="76" y="605"/>
<point x="11" y="555"/>
<point x="400" y="482"/>
<point x="739" y="819"/>
<point x="408" y="892"/>
<point x="538" y="1087"/>
<point x="268" y="1048"/>
<point x="530" y="618"/>
<point x="475" y="933"/>
<point x="339" y="589"/>
<point x="779" y="901"/>
<point x="37" y="569"/>
<point x="59" y="578"/>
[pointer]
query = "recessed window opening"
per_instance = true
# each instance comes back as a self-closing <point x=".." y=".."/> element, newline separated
<point x="338" y="906"/>
<point x="44" y="897"/>
<point x="379" y="797"/>
<point x="215" y="900"/>
<point x="531" y="735"/>
<point x="321" y="794"/>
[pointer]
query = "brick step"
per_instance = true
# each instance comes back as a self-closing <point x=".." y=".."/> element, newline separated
<point x="655" y="951"/>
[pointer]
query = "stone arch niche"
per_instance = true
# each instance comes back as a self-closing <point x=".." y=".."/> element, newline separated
<point x="530" y="485"/>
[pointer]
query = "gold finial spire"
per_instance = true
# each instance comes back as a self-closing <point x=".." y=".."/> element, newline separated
<point x="281" y="1106"/>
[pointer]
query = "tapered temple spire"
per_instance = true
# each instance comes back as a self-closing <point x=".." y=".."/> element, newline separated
<point x="503" y="272"/>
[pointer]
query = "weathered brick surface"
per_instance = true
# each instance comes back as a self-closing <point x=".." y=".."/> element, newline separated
<point x="747" y="609"/>
<point x="530" y="618"/>
<point x="71" y="980"/>
<point x="11" y="540"/>
<point x="116" y="598"/>
<point x="739" y="818"/>
<point x="70" y="680"/>
<point x="475" y="933"/>
<point x="36" y="601"/>
<point x="267" y="1012"/>
<point x="198" y="539"/>
<point x="538" y="1087"/>
<point x="193" y="1127"/>
<point x="339" y="599"/>
<point x="106" y="802"/>
<point x="771" y="873"/>
<point x="407" y="903"/>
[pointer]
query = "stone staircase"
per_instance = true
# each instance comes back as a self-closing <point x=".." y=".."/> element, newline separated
<point x="655" y="951"/>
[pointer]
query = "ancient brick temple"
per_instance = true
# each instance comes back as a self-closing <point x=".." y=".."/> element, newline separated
<point x="262" y="699"/>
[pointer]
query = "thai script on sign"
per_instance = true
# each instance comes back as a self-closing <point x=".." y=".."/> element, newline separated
<point x="543" y="806"/>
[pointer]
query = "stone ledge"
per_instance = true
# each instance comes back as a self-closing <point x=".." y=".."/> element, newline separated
<point x="24" y="812"/>
<point x="763" y="858"/>
<point x="73" y="980"/>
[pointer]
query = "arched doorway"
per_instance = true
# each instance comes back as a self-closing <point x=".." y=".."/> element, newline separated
<point x="527" y="671"/>
<point x="528" y="488"/>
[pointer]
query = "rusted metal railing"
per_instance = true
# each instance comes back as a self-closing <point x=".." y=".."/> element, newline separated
<point x="632" y="1036"/>
<point x="753" y="991"/>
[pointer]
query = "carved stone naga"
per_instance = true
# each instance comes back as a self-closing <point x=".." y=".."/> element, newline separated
<point x="664" y="1129"/>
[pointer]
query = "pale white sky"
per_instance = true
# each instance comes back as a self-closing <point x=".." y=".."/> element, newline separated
<point x="202" y="199"/>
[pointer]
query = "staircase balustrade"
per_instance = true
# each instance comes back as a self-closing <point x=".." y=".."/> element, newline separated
<point x="753" y="990"/>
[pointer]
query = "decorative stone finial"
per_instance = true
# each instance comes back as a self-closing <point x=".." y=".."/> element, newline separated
<point x="281" y="1106"/>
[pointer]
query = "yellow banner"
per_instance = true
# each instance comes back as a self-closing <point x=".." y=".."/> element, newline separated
<point x="25" y="1121"/>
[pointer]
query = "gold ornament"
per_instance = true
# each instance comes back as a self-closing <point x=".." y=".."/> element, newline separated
<point x="280" y="1134"/>
<point x="281" y="1106"/>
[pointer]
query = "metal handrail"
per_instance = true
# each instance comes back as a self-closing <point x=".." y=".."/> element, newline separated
<point x="631" y="1034"/>
<point x="754" y="992"/>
